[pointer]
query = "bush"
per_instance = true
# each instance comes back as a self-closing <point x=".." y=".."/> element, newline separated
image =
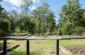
<point x="79" y="30"/>
<point x="4" y="27"/>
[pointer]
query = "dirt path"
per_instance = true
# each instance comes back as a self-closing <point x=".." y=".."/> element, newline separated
<point x="77" y="50"/>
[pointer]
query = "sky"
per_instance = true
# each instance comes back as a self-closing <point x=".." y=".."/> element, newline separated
<point x="55" y="5"/>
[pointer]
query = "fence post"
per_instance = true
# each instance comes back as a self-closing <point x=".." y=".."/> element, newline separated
<point x="57" y="47"/>
<point x="4" y="47"/>
<point x="27" y="49"/>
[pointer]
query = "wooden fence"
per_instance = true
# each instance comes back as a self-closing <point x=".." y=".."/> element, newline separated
<point x="27" y="38"/>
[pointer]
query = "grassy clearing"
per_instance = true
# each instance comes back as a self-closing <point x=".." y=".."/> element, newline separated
<point x="19" y="50"/>
<point x="42" y="47"/>
<point x="67" y="43"/>
<point x="37" y="47"/>
<point x="45" y="47"/>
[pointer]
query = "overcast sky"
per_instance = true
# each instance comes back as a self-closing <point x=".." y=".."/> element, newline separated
<point x="55" y="5"/>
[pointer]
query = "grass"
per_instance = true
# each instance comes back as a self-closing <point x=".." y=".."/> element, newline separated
<point x="42" y="47"/>
<point x="37" y="47"/>
<point x="19" y="50"/>
<point x="67" y="43"/>
<point x="8" y="43"/>
<point x="1" y="43"/>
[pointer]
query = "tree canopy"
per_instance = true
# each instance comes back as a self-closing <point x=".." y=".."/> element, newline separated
<point x="37" y="22"/>
<point x="71" y="18"/>
<point x="41" y="21"/>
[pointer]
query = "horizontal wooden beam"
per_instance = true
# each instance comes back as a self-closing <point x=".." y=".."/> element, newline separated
<point x="40" y="37"/>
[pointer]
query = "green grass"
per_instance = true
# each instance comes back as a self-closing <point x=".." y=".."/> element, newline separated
<point x="68" y="43"/>
<point x="37" y="47"/>
<point x="42" y="47"/>
<point x="8" y="43"/>
<point x="19" y="50"/>
<point x="1" y="43"/>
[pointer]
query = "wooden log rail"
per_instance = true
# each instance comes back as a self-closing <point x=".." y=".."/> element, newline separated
<point x="57" y="38"/>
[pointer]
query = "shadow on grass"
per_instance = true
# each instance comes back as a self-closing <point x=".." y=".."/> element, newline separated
<point x="16" y="53"/>
<point x="13" y="52"/>
<point x="1" y="44"/>
<point x="35" y="53"/>
<point x="22" y="53"/>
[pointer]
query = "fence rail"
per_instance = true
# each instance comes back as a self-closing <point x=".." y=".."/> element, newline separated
<point x="27" y="38"/>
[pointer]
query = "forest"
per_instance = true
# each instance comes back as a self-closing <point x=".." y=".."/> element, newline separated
<point x="41" y="21"/>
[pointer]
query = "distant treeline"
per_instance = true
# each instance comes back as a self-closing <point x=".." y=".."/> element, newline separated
<point x="37" y="22"/>
<point x="41" y="21"/>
